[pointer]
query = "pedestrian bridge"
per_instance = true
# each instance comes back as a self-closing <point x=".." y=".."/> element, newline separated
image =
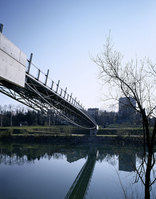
<point x="21" y="80"/>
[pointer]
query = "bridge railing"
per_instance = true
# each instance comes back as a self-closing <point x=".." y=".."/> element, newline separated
<point x="43" y="78"/>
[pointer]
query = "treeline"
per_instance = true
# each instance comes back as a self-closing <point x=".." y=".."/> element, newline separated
<point x="22" y="116"/>
<point x="104" y="119"/>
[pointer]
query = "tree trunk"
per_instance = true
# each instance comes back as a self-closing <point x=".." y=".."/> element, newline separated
<point x="149" y="164"/>
<point x="147" y="176"/>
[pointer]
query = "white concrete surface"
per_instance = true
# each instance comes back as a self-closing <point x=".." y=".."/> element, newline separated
<point x="12" y="62"/>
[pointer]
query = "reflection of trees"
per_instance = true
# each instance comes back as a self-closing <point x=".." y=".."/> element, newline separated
<point x="14" y="160"/>
<point x="111" y="159"/>
<point x="24" y="153"/>
<point x="32" y="152"/>
<point x="21" y="154"/>
<point x="144" y="172"/>
<point x="57" y="156"/>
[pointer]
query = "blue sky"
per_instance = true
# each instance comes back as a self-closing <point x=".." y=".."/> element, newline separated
<point x="64" y="34"/>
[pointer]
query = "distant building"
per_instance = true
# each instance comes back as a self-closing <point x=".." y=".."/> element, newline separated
<point x="93" y="112"/>
<point x="127" y="105"/>
<point x="127" y="112"/>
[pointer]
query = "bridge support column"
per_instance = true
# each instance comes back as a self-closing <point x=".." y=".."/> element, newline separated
<point x="93" y="132"/>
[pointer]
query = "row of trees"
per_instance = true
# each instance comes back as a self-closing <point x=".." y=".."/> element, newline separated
<point x="18" y="116"/>
<point x="105" y="119"/>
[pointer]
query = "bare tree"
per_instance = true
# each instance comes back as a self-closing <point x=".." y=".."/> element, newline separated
<point x="134" y="79"/>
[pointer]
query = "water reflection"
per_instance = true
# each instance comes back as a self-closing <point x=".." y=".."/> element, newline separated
<point x="85" y="183"/>
<point x="79" y="187"/>
<point x="127" y="162"/>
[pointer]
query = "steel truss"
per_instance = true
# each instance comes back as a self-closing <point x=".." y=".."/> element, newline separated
<point x="39" y="97"/>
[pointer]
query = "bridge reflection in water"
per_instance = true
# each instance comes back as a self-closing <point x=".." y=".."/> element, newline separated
<point x="80" y="185"/>
<point x="123" y="158"/>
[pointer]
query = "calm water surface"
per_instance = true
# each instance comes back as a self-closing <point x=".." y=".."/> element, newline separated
<point x="46" y="171"/>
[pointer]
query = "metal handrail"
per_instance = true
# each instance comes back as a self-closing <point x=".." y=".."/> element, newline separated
<point x="52" y="85"/>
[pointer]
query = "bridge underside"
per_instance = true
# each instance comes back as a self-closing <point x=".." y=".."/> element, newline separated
<point x="38" y="92"/>
<point x="39" y="97"/>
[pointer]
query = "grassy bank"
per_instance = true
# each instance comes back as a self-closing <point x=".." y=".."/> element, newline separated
<point x="121" y="131"/>
<point x="67" y="130"/>
<point x="41" y="130"/>
<point x="66" y="133"/>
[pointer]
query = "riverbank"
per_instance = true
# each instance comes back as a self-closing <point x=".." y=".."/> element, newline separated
<point x="73" y="139"/>
<point x="42" y="130"/>
<point x="67" y="130"/>
<point x="69" y="134"/>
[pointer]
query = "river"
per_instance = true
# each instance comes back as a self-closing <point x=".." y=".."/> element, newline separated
<point x="75" y="171"/>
